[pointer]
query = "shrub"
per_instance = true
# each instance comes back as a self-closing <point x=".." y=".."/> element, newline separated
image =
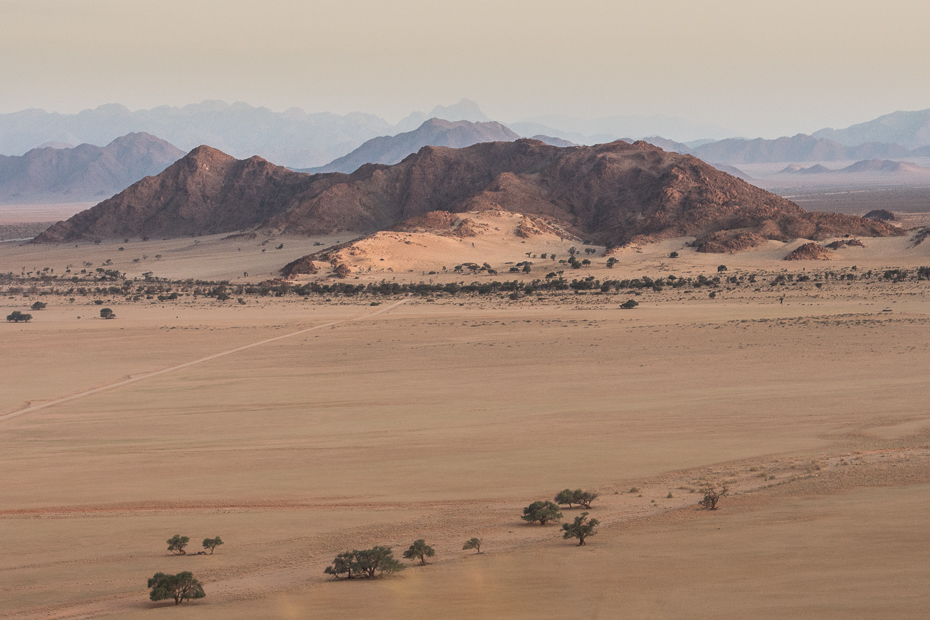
<point x="39" y="305"/>
<point x="673" y="255"/>
<point x="106" y="313"/>
<point x="629" y="304"/>
<point x="711" y="497"/>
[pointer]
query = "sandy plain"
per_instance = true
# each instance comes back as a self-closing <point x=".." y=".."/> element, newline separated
<point x="349" y="425"/>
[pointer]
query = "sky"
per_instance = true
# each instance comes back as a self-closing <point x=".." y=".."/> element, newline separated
<point x="758" y="67"/>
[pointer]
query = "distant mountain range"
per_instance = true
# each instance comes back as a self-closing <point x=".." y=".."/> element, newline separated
<point x="433" y="132"/>
<point x="293" y="137"/>
<point x="868" y="166"/>
<point x="84" y="172"/>
<point x="611" y="193"/>
<point x="909" y="129"/>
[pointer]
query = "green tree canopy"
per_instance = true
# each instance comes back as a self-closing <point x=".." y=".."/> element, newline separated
<point x="473" y="543"/>
<point x="177" y="543"/>
<point x="419" y="549"/>
<point x="542" y="511"/>
<point x="581" y="528"/>
<point x="369" y="563"/>
<point x="106" y="313"/>
<point x="180" y="587"/>
<point x="578" y="496"/>
<point x="212" y="543"/>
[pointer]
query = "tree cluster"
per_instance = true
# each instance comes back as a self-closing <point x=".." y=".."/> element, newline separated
<point x="178" y="543"/>
<point x="368" y="563"/>
<point x="578" y="496"/>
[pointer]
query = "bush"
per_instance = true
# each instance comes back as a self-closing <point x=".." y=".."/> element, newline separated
<point x="542" y="511"/>
<point x="368" y="563"/>
<point x="419" y="549"/>
<point x="629" y="304"/>
<point x="673" y="255"/>
<point x="177" y="543"/>
<point x="39" y="305"/>
<point x="474" y="543"/>
<point x="711" y="497"/>
<point x="106" y="313"/>
<point x="180" y="587"/>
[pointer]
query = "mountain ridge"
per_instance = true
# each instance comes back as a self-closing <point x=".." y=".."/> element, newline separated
<point x="614" y="193"/>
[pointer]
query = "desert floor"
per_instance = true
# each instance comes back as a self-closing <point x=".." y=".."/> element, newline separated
<point x="299" y="428"/>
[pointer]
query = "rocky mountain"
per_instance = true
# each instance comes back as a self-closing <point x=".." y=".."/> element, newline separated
<point x="433" y="132"/>
<point x="909" y="129"/>
<point x="611" y="193"/>
<point x="293" y="137"/>
<point x="84" y="172"/>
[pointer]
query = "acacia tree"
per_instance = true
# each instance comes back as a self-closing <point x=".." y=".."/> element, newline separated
<point x="106" y="313"/>
<point x="580" y="528"/>
<point x="212" y="543"/>
<point x="578" y="496"/>
<point x="16" y="316"/>
<point x="180" y="587"/>
<point x="542" y="511"/>
<point x="177" y="543"/>
<point x="419" y="549"/>
<point x="474" y="543"/>
<point x="369" y="563"/>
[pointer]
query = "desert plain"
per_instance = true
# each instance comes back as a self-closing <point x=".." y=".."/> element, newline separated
<point x="299" y="427"/>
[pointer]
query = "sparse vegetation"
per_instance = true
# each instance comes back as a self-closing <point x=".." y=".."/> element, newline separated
<point x="711" y="497"/>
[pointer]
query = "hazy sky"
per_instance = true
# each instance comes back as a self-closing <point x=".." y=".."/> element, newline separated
<point x="760" y="67"/>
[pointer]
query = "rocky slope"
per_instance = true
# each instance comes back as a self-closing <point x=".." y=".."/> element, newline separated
<point x="84" y="172"/>
<point x="609" y="193"/>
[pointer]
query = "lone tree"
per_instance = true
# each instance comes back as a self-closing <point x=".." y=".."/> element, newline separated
<point x="369" y="563"/>
<point x="106" y="313"/>
<point x="629" y="304"/>
<point x="474" y="543"/>
<point x="711" y="497"/>
<point x="180" y="587"/>
<point x="39" y="305"/>
<point x="16" y="316"/>
<point x="580" y="529"/>
<point x="212" y="543"/>
<point x="578" y="496"/>
<point x="542" y="511"/>
<point x="177" y="543"/>
<point x="611" y="262"/>
<point x="419" y="549"/>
